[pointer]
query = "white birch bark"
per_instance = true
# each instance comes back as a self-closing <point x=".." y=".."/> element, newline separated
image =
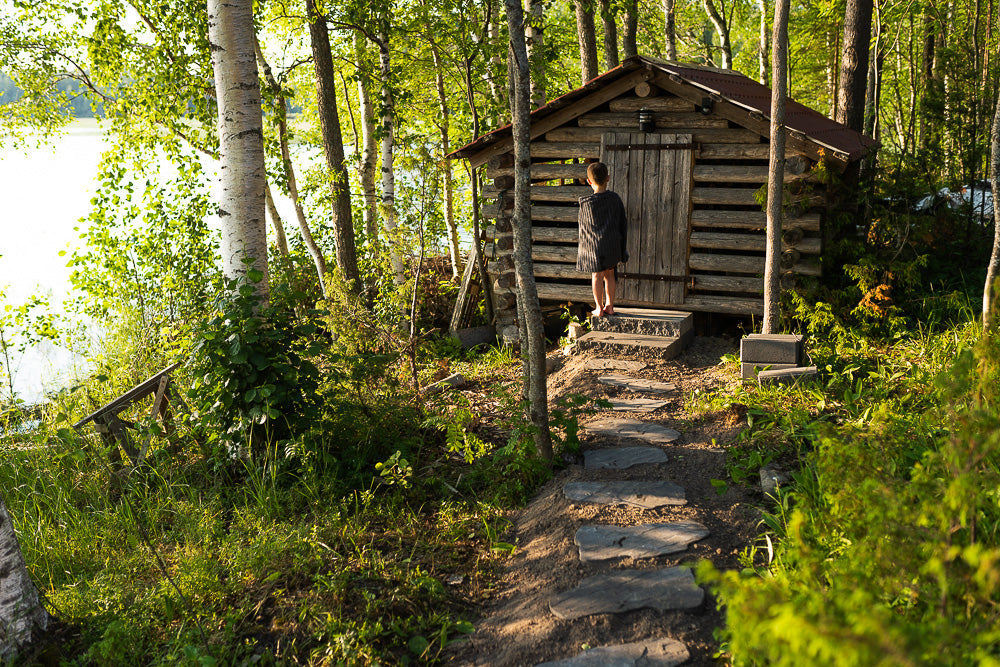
<point x="776" y="170"/>
<point x="369" y="144"/>
<point x="993" y="270"/>
<point x="241" y="141"/>
<point x="388" y="163"/>
<point x="449" y="190"/>
<point x="670" y="29"/>
<point x="721" y="27"/>
<point x="536" y="52"/>
<point x="22" y="616"/>
<point x="762" y="46"/>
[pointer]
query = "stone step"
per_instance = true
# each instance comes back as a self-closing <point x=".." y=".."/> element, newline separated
<point x="610" y="342"/>
<point x="669" y="323"/>
<point x="637" y="385"/>
<point x="613" y="427"/>
<point x="636" y="405"/>
<point x="659" y="652"/>
<point x="602" y="364"/>
<point x="647" y="495"/>
<point x="645" y="541"/>
<point x="625" y="590"/>
<point x="622" y="458"/>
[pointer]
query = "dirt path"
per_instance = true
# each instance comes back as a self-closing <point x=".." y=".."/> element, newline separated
<point x="517" y="627"/>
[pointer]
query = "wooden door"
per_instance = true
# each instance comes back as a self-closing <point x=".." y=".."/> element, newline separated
<point x="652" y="173"/>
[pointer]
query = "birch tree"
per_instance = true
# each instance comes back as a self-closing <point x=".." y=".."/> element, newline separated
<point x="388" y="121"/>
<point x="993" y="270"/>
<point x="670" y="29"/>
<point x="22" y="617"/>
<point x="532" y="332"/>
<point x="631" y="27"/>
<point x="368" y="160"/>
<point x="776" y="169"/>
<point x="721" y="24"/>
<point x="241" y="141"/>
<point x="536" y="52"/>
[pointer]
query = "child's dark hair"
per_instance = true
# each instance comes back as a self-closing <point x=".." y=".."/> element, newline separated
<point x="598" y="173"/>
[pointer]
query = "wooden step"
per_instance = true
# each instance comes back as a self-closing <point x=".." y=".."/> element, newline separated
<point x="610" y="342"/>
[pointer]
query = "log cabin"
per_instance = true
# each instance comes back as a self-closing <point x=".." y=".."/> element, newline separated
<point x="687" y="150"/>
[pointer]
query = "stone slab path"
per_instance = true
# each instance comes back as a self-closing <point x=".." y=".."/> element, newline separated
<point x="647" y="495"/>
<point x="602" y="364"/>
<point x="622" y="458"/>
<point x="624" y="590"/>
<point x="645" y="541"/>
<point x="636" y="384"/>
<point x="648" y="432"/>
<point x="663" y="652"/>
<point x="637" y="405"/>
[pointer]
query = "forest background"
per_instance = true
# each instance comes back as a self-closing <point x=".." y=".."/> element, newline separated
<point x="304" y="549"/>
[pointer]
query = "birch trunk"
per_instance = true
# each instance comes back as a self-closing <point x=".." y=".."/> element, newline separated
<point x="587" y="38"/>
<point x="241" y="142"/>
<point x="536" y="52"/>
<point x="762" y="47"/>
<point x="388" y="161"/>
<point x="279" y="227"/>
<point x="629" y="46"/>
<point x="993" y="270"/>
<point x="22" y="617"/>
<point x="854" y="63"/>
<point x="610" y="35"/>
<point x="369" y="154"/>
<point x="449" y="191"/>
<point x="333" y="147"/>
<point x="776" y="170"/>
<point x="670" y="29"/>
<point x="721" y="27"/>
<point x="527" y="294"/>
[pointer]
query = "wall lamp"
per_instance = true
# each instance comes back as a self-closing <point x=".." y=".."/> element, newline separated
<point x="707" y="104"/>
<point x="647" y="121"/>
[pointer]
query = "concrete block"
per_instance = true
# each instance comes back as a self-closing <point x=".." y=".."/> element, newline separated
<point x="486" y="335"/>
<point x="787" y="376"/>
<point x="772" y="349"/>
<point x="750" y="370"/>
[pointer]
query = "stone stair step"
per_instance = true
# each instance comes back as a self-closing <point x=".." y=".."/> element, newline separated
<point x="597" y="542"/>
<point x="610" y="342"/>
<point x="636" y="405"/>
<point x="647" y="495"/>
<point x="622" y="458"/>
<point x="659" y="652"/>
<point x="669" y="323"/>
<point x="637" y="385"/>
<point x="625" y="590"/>
<point x="602" y="364"/>
<point x="615" y="427"/>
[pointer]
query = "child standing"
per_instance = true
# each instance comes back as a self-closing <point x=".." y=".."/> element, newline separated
<point x="602" y="238"/>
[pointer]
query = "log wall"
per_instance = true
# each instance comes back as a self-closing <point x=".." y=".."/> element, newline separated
<point x="726" y="231"/>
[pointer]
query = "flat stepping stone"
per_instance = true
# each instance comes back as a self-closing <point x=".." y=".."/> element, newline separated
<point x="645" y="541"/>
<point x="600" y="364"/>
<point x="621" y="458"/>
<point x="625" y="590"/>
<point x="610" y="342"/>
<point x="647" y="495"/>
<point x="632" y="428"/>
<point x="660" y="652"/>
<point x="637" y="385"/>
<point x="637" y="405"/>
<point x="646" y="321"/>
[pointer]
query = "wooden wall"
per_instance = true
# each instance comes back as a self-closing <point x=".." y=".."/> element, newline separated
<point x="726" y="233"/>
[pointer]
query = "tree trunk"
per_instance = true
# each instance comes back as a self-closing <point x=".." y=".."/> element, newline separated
<point x="279" y="227"/>
<point x="854" y="63"/>
<point x="388" y="161"/>
<point x="241" y="142"/>
<point x="495" y="69"/>
<point x="670" y="29"/>
<point x="527" y="294"/>
<point x="762" y="47"/>
<point x="776" y="170"/>
<point x="993" y="270"/>
<point x="928" y="71"/>
<point x="22" y="617"/>
<point x="629" y="46"/>
<point x="536" y="52"/>
<point x="369" y="150"/>
<point x="449" y="191"/>
<point x="721" y="27"/>
<point x="873" y="91"/>
<point x="610" y="35"/>
<point x="333" y="146"/>
<point x="586" y="37"/>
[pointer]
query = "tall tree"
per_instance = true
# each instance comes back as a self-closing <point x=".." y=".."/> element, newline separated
<point x="776" y="170"/>
<point x="721" y="23"/>
<point x="629" y="46"/>
<point x="22" y="617"/>
<point x="670" y="29"/>
<point x="388" y="131"/>
<point x="536" y="51"/>
<point x="854" y="63"/>
<point x="762" y="44"/>
<point x="532" y="331"/>
<point x="444" y="127"/>
<point x="368" y="159"/>
<point x="586" y="37"/>
<point x="333" y="148"/>
<point x="241" y="140"/>
<point x="610" y="35"/>
<point x="993" y="270"/>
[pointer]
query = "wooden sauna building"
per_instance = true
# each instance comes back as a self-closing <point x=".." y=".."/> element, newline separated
<point x="687" y="150"/>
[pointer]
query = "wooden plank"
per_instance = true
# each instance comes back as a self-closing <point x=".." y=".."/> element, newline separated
<point x="626" y="104"/>
<point x="545" y="270"/>
<point x="562" y="292"/>
<point x="743" y="264"/>
<point x="555" y="213"/>
<point x="542" y="125"/>
<point x="724" y="196"/>
<point x="567" y="150"/>
<point x="729" y="305"/>
<point x="664" y="121"/>
<point x="554" y="253"/>
<point x="682" y="226"/>
<point x="652" y="216"/>
<point x="729" y="283"/>
<point x="463" y="290"/>
<point x="555" y="234"/>
<point x="739" y="174"/>
<point x="138" y="392"/>
<point x="753" y="151"/>
<point x="708" y="136"/>
<point x="753" y="220"/>
<point x="564" y="193"/>
<point x="749" y="242"/>
<point x="546" y="171"/>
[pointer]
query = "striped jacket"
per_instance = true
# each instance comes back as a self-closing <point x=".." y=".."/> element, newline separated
<point x="602" y="232"/>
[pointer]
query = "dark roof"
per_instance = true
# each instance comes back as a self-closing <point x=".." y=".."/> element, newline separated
<point x="731" y="86"/>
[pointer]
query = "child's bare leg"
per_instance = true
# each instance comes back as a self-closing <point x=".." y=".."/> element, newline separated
<point x="597" y="285"/>
<point x="609" y="289"/>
